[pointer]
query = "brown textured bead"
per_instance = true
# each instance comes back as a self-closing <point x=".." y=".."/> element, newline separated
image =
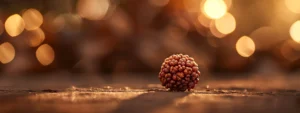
<point x="174" y="77"/>
<point x="178" y="78"/>
<point x="172" y="82"/>
<point x="179" y="73"/>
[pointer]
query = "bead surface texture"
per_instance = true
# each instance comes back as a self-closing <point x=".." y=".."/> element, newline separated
<point x="179" y="73"/>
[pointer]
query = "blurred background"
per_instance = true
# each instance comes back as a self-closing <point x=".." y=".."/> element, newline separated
<point x="135" y="36"/>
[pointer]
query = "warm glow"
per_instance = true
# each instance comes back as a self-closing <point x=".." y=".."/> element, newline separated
<point x="228" y="3"/>
<point x="159" y="3"/>
<point x="45" y="54"/>
<point x="120" y="23"/>
<point x="35" y="37"/>
<point x="215" y="9"/>
<point x="192" y="5"/>
<point x="14" y="25"/>
<point x="295" y="31"/>
<point x="7" y="52"/>
<point x="69" y="22"/>
<point x="58" y="23"/>
<point x="92" y="9"/>
<point x="1" y="27"/>
<point x="53" y="23"/>
<point x="288" y="51"/>
<point x="293" y="5"/>
<point x="245" y="46"/>
<point x="33" y="19"/>
<point x="204" y="21"/>
<point x="294" y="45"/>
<point x="215" y="32"/>
<point x="226" y="24"/>
<point x="212" y="41"/>
<point x="266" y="37"/>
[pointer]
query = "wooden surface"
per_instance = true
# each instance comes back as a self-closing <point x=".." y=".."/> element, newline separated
<point x="91" y="94"/>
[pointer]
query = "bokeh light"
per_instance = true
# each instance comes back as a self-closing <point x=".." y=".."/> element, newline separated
<point x="215" y="9"/>
<point x="92" y="9"/>
<point x="53" y="23"/>
<point x="1" y="27"/>
<point x="35" y="37"/>
<point x="204" y="21"/>
<point x="33" y="19"/>
<point x="226" y="24"/>
<point x="56" y="23"/>
<point x="7" y="52"/>
<point x="159" y="3"/>
<point x="266" y="37"/>
<point x="293" y="5"/>
<point x="14" y="25"/>
<point x="215" y="32"/>
<point x="289" y="52"/>
<point x="45" y="54"/>
<point x="68" y="22"/>
<point x="245" y="46"/>
<point x="295" y="31"/>
<point x="120" y="23"/>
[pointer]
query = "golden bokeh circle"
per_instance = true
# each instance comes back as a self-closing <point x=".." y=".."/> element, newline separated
<point x="7" y="52"/>
<point x="245" y="46"/>
<point x="14" y="25"/>
<point x="35" y="37"/>
<point x="45" y="54"/>
<point x="295" y="31"/>
<point x="204" y="21"/>
<point x="214" y="31"/>
<point x="92" y="9"/>
<point x="214" y="9"/>
<point x="226" y="24"/>
<point x="33" y="19"/>
<point x="293" y="5"/>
